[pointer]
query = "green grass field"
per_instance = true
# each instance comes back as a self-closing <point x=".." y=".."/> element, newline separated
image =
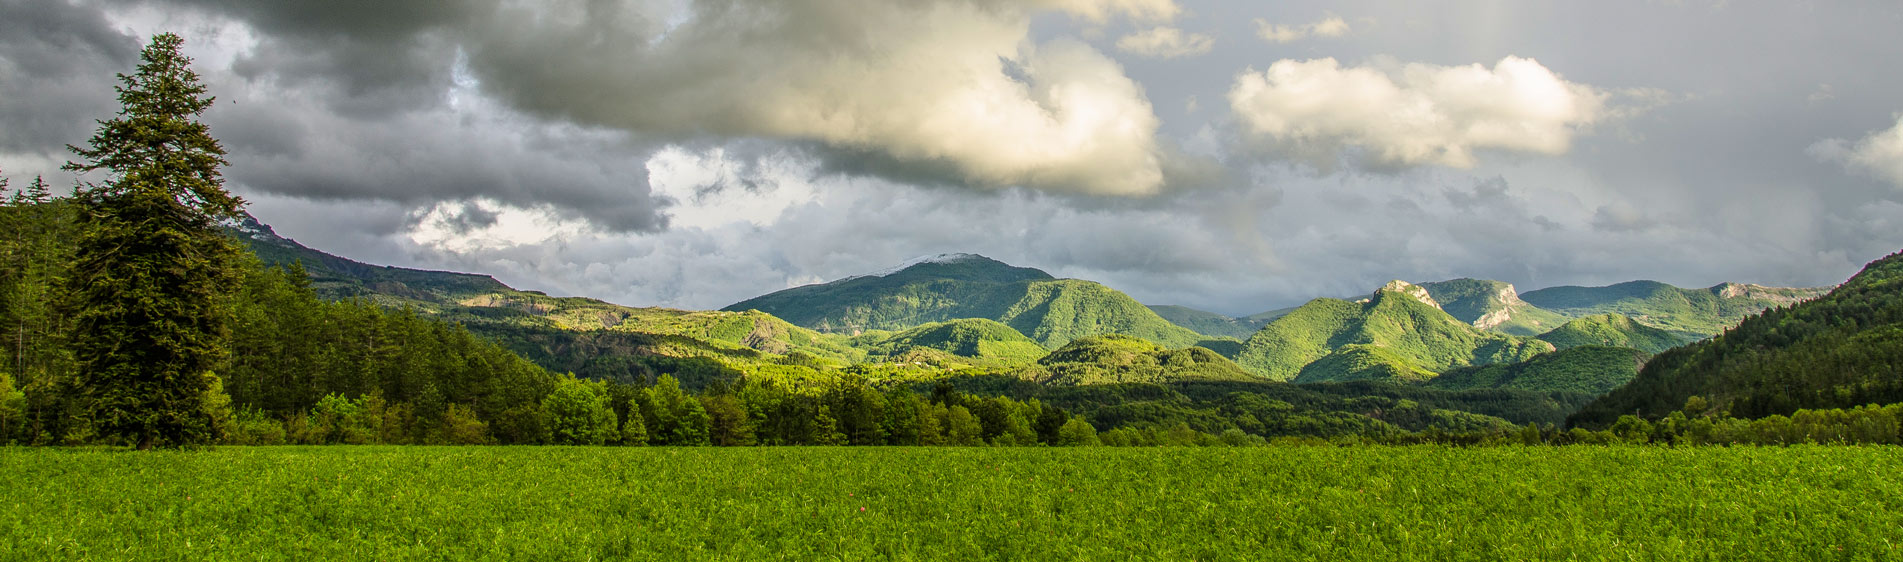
<point x="549" y="503"/>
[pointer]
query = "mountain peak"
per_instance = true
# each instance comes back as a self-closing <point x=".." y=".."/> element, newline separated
<point x="952" y="258"/>
<point x="1418" y="292"/>
<point x="250" y="227"/>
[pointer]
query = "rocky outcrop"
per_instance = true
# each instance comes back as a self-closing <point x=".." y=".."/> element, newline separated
<point x="1418" y="292"/>
<point x="1509" y="300"/>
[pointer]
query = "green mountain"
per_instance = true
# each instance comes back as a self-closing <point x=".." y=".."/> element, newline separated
<point x="1402" y="320"/>
<point x="1842" y="350"/>
<point x="1115" y="358"/>
<point x="1614" y="330"/>
<point x="972" y="341"/>
<point x="954" y="286"/>
<point x="1692" y="312"/>
<point x="560" y="333"/>
<point x="1492" y="305"/>
<point x="1209" y="323"/>
<point x="1590" y="369"/>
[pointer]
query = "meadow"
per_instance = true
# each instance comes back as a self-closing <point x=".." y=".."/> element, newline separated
<point x="1325" y="503"/>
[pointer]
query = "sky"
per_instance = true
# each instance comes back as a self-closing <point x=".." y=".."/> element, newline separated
<point x="1233" y="156"/>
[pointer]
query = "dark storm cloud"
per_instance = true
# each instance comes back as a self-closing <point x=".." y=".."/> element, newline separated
<point x="339" y="101"/>
<point x="379" y="55"/>
<point x="419" y="158"/>
<point x="57" y="67"/>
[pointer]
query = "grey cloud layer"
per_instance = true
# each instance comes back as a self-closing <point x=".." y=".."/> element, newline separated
<point x="57" y="63"/>
<point x="824" y="138"/>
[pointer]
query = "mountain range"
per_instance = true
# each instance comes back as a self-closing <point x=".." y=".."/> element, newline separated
<point x="969" y="311"/>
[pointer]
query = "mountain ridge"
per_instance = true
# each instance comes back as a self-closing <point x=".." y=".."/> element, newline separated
<point x="1049" y="310"/>
<point x="1842" y="350"/>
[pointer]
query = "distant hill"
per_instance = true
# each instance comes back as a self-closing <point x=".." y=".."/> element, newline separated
<point x="975" y="341"/>
<point x="1614" y="330"/>
<point x="1209" y="323"/>
<point x="335" y="277"/>
<point x="954" y="286"/>
<point x="1115" y="358"/>
<point x="1492" y="305"/>
<point x="1588" y="369"/>
<point x="1841" y="350"/>
<point x="1692" y="312"/>
<point x="1401" y="322"/>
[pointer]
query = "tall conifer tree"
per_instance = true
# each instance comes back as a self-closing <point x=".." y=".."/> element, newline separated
<point x="149" y="291"/>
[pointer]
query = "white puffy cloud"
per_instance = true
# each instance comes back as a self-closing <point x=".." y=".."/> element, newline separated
<point x="1414" y="114"/>
<point x="713" y="188"/>
<point x="1166" y="42"/>
<point x="1331" y="26"/>
<point x="1880" y="155"/>
<point x="954" y="90"/>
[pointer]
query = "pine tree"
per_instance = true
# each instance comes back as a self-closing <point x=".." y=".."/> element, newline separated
<point x="151" y="280"/>
<point x="37" y="191"/>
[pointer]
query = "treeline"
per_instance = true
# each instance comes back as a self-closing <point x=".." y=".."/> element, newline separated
<point x="744" y="413"/>
<point x="1696" y="425"/>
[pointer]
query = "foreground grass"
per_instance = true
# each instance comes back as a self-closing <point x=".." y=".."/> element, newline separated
<point x="1372" y="503"/>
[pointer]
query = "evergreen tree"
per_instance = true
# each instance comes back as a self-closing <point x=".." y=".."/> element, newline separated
<point x="152" y="275"/>
<point x="633" y="432"/>
<point x="728" y="423"/>
<point x="35" y="192"/>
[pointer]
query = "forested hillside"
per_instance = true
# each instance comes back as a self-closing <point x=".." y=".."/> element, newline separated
<point x="1839" y="351"/>
<point x="1590" y="369"/>
<point x="1616" y="331"/>
<point x="1120" y="359"/>
<point x="971" y="341"/>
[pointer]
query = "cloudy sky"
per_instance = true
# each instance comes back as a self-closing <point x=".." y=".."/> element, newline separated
<point x="1235" y="156"/>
